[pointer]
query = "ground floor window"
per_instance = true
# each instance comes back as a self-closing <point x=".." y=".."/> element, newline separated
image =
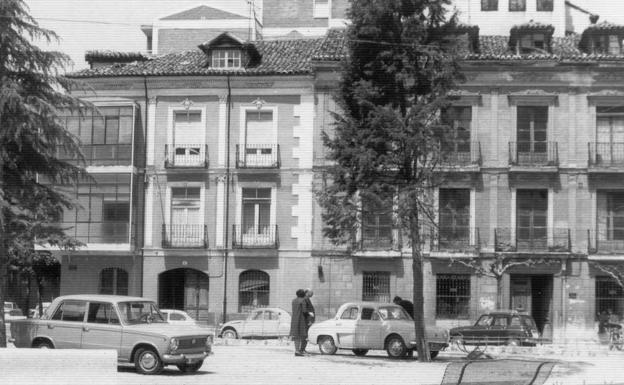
<point x="452" y="295"/>
<point x="114" y="281"/>
<point x="376" y="286"/>
<point x="609" y="296"/>
<point x="253" y="290"/>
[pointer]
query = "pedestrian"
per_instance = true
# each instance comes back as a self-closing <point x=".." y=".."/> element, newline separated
<point x="405" y="304"/>
<point x="298" y="325"/>
<point x="309" y="316"/>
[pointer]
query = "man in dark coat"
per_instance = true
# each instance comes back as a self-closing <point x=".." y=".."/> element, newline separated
<point x="309" y="315"/>
<point x="405" y="304"/>
<point x="298" y="323"/>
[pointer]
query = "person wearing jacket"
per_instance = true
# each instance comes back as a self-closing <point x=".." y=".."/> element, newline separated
<point x="298" y="322"/>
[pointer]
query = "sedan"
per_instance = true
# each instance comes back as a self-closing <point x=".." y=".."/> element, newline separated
<point x="505" y="327"/>
<point x="261" y="323"/>
<point x="364" y="326"/>
<point x="177" y="317"/>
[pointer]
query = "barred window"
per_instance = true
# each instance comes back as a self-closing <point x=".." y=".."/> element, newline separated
<point x="114" y="281"/>
<point x="253" y="290"/>
<point x="376" y="286"/>
<point x="609" y="296"/>
<point x="453" y="296"/>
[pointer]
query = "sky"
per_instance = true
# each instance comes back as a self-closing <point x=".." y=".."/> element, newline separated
<point x="115" y="24"/>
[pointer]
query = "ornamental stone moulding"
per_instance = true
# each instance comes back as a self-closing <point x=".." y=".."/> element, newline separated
<point x="259" y="103"/>
<point x="532" y="96"/>
<point x="187" y="103"/>
<point x="606" y="98"/>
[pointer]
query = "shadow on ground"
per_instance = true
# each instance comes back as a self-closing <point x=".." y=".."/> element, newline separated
<point x="498" y="372"/>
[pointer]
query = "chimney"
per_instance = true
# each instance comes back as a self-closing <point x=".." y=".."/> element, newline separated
<point x="593" y="18"/>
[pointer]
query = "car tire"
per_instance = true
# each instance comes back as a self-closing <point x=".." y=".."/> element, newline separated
<point x="43" y="345"/>
<point x="513" y="342"/>
<point x="326" y="345"/>
<point x="360" y="352"/>
<point x="147" y="361"/>
<point x="229" y="334"/>
<point x="190" y="368"/>
<point x="434" y="354"/>
<point x="395" y="347"/>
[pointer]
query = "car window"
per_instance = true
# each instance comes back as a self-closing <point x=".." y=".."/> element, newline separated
<point x="258" y="316"/>
<point x="485" y="320"/>
<point x="528" y="322"/>
<point x="139" y="312"/>
<point x="72" y="311"/>
<point x="271" y="315"/>
<point x="350" y="313"/>
<point x="501" y="321"/>
<point x="176" y="317"/>
<point x="393" y="313"/>
<point x="515" y="321"/>
<point x="102" y="313"/>
<point x="367" y="313"/>
<point x="375" y="316"/>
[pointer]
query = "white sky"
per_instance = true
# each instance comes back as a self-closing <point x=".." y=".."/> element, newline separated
<point x="126" y="16"/>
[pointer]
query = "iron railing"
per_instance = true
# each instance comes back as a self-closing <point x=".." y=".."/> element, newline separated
<point x="606" y="240"/>
<point x="186" y="155"/>
<point x="457" y="238"/>
<point x="532" y="239"/>
<point x="459" y="154"/>
<point x="257" y="156"/>
<point x="184" y="236"/>
<point x="533" y="154"/>
<point x="255" y="236"/>
<point x="101" y="154"/>
<point x="605" y="154"/>
<point x="97" y="232"/>
<point x="379" y="237"/>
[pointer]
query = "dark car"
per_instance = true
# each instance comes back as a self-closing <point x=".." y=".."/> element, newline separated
<point x="499" y="328"/>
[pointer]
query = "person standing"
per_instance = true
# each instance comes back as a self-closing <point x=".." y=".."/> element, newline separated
<point x="309" y="315"/>
<point x="298" y="323"/>
<point x="405" y="304"/>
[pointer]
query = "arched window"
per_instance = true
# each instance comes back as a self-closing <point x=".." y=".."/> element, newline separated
<point x="253" y="290"/>
<point x="114" y="280"/>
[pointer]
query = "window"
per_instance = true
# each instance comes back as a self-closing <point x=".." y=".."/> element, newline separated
<point x="253" y="290"/>
<point x="226" y="58"/>
<point x="545" y="5"/>
<point x="376" y="223"/>
<point x="188" y="147"/>
<point x="72" y="311"/>
<point x="456" y="143"/>
<point x="609" y="296"/>
<point x="367" y="313"/>
<point x="259" y="149"/>
<point x="350" y="313"/>
<point x="186" y="228"/>
<point x="256" y="210"/>
<point x="517" y="5"/>
<point x="610" y="220"/>
<point x="376" y="286"/>
<point x="102" y="313"/>
<point x="532" y="124"/>
<point x="609" y="147"/>
<point x="454" y="218"/>
<point x="501" y="322"/>
<point x="452" y="296"/>
<point x="531" y="218"/>
<point x="531" y="42"/>
<point x="176" y="317"/>
<point x="114" y="281"/>
<point x="113" y="211"/>
<point x="489" y="5"/>
<point x="321" y="9"/>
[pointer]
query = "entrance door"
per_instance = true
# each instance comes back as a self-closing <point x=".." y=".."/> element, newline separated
<point x="533" y="294"/>
<point x="184" y="289"/>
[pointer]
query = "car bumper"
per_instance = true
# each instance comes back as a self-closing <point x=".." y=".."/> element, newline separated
<point x="186" y="358"/>
<point x="433" y="346"/>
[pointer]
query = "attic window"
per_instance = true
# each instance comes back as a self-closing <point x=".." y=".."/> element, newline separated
<point x="531" y="38"/>
<point x="226" y="58"/>
<point x="607" y="44"/>
<point x="531" y="42"/>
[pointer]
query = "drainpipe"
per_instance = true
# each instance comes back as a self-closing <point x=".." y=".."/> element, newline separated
<point x="228" y="106"/>
<point x="144" y="157"/>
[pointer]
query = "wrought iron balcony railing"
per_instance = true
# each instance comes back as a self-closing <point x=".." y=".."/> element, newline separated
<point x="255" y="236"/>
<point x="257" y="156"/>
<point x="460" y="153"/>
<point x="186" y="155"/>
<point x="607" y="240"/>
<point x="98" y="232"/>
<point x="101" y="154"/>
<point x="458" y="238"/>
<point x="184" y="236"/>
<point x="532" y="239"/>
<point x="605" y="154"/>
<point x="379" y="237"/>
<point x="533" y="154"/>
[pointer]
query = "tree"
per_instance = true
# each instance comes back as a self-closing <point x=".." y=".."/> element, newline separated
<point x="386" y="140"/>
<point x="32" y="94"/>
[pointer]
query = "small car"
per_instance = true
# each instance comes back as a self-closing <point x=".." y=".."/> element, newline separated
<point x="34" y="312"/>
<point x="12" y="312"/>
<point x="364" y="326"/>
<point x="503" y="327"/>
<point x="177" y="317"/>
<point x="269" y="322"/>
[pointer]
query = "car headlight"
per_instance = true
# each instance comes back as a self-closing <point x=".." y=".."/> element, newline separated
<point x="173" y="344"/>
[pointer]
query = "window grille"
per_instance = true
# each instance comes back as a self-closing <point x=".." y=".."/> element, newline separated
<point x="609" y="296"/>
<point x="114" y="281"/>
<point x="253" y="290"/>
<point x="453" y="296"/>
<point x="376" y="286"/>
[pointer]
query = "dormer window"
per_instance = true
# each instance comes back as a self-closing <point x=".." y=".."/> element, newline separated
<point x="531" y="38"/>
<point x="465" y="39"/>
<point x="607" y="44"/>
<point x="531" y="42"/>
<point x="226" y="58"/>
<point x="603" y="39"/>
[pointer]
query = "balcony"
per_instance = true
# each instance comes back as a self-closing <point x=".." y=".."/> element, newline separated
<point x="527" y="239"/>
<point x="101" y="154"/>
<point x="533" y="156"/>
<point x="186" y="156"/>
<point x="379" y="237"/>
<point x="261" y="156"/>
<point x="604" y="156"/>
<point x="98" y="232"/>
<point x="606" y="240"/>
<point x="254" y="237"/>
<point x="461" y="156"/>
<point x="455" y="239"/>
<point x="184" y="236"/>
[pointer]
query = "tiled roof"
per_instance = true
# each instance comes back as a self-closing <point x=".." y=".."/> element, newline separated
<point x="114" y="56"/>
<point x="604" y="26"/>
<point x="203" y="12"/>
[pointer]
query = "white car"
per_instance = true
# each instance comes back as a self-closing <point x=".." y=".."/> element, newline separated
<point x="364" y="326"/>
<point x="34" y="312"/>
<point x="178" y="317"/>
<point x="264" y="323"/>
<point x="12" y="312"/>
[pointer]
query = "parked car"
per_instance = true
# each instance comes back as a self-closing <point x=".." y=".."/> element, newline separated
<point x="265" y="322"/>
<point x="177" y="317"/>
<point x="364" y="326"/>
<point x="504" y="327"/>
<point x="131" y="325"/>
<point x="34" y="312"/>
<point x="12" y="312"/>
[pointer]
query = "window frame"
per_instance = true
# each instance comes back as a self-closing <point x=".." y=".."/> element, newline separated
<point x="461" y="308"/>
<point x="232" y="58"/>
<point x="115" y="283"/>
<point x="262" y="296"/>
<point x="380" y="278"/>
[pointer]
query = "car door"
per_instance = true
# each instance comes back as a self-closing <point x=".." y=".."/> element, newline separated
<point x="65" y="325"/>
<point x="253" y="324"/>
<point x="102" y="329"/>
<point x="479" y="332"/>
<point x="368" y="330"/>
<point x="345" y="327"/>
<point x="284" y="323"/>
<point x="270" y="327"/>
<point x="498" y="331"/>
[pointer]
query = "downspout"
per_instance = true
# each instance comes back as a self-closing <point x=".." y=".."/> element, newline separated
<point x="228" y="106"/>
<point x="144" y="157"/>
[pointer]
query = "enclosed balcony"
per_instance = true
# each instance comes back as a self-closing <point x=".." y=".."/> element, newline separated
<point x="533" y="156"/>
<point x="187" y="236"/>
<point x="101" y="154"/>
<point x="98" y="232"/>
<point x="255" y="236"/>
<point x="606" y="240"/>
<point x="527" y="239"/>
<point x="461" y="154"/>
<point x="455" y="239"/>
<point x="260" y="156"/>
<point x="379" y="237"/>
<point x="186" y="156"/>
<point x="605" y="155"/>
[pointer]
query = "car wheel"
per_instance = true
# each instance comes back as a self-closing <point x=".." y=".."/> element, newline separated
<point x="229" y="334"/>
<point x="360" y="352"/>
<point x="146" y="361"/>
<point x="327" y="345"/>
<point x="396" y="347"/>
<point x="43" y="345"/>
<point x="513" y="342"/>
<point x="434" y="354"/>
<point x="190" y="368"/>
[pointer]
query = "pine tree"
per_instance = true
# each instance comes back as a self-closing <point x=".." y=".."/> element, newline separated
<point x="386" y="142"/>
<point x="32" y="94"/>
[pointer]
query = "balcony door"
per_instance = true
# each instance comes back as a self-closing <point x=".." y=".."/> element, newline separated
<point x="454" y="214"/>
<point x="256" y="220"/>
<point x="259" y="148"/>
<point x="610" y="135"/>
<point x="531" y="134"/>
<point x="610" y="235"/>
<point x="376" y="224"/>
<point x="188" y="139"/>
<point x="186" y="228"/>
<point x="456" y="146"/>
<point x="532" y="219"/>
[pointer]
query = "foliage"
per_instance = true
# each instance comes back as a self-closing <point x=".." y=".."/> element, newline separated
<point x="614" y="271"/>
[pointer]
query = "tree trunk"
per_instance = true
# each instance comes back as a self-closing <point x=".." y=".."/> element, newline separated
<point x="39" y="296"/>
<point x="4" y="265"/>
<point x="419" y="303"/>
<point x="499" y="292"/>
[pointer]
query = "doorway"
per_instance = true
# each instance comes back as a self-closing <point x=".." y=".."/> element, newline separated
<point x="184" y="289"/>
<point x="533" y="294"/>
